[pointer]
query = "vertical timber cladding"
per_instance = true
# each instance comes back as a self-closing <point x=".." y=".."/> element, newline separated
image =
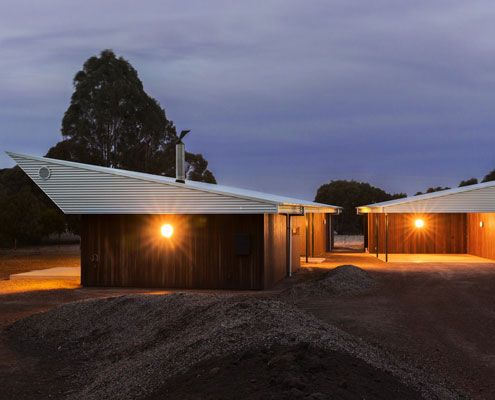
<point x="128" y="250"/>
<point x="481" y="234"/>
<point x="317" y="233"/>
<point x="441" y="234"/>
<point x="275" y="243"/>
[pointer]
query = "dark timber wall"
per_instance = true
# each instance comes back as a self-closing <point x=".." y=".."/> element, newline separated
<point x="275" y="248"/>
<point x="317" y="238"/>
<point x="442" y="233"/>
<point x="128" y="250"/>
<point x="205" y="251"/>
<point x="481" y="239"/>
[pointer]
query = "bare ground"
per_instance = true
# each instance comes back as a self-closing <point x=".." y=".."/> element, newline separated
<point x="284" y="372"/>
<point x="438" y="318"/>
<point x="40" y="257"/>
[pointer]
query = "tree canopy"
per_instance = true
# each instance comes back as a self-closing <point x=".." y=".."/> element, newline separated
<point x="26" y="213"/>
<point x="349" y="195"/>
<point x="433" y="189"/>
<point x="489" y="177"/>
<point x="467" y="182"/>
<point x="111" y="121"/>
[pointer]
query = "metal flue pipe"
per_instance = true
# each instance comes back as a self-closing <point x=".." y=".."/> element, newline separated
<point x="180" y="163"/>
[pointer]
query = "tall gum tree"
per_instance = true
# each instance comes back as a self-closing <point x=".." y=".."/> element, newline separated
<point x="111" y="121"/>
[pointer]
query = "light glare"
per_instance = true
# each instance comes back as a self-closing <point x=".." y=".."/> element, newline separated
<point x="419" y="223"/>
<point x="167" y="230"/>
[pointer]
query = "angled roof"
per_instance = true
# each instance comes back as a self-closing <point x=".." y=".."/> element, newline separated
<point x="78" y="188"/>
<point x="466" y="199"/>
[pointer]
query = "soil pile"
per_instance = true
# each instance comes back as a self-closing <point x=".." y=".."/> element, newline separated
<point x="342" y="280"/>
<point x="285" y="372"/>
<point x="129" y="347"/>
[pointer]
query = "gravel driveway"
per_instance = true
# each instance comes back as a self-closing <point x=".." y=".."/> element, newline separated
<point x="438" y="316"/>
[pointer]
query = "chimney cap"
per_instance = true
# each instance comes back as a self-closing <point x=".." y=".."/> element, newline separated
<point x="182" y="134"/>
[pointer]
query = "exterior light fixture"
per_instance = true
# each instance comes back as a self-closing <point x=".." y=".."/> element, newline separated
<point x="419" y="223"/>
<point x="481" y="224"/>
<point x="167" y="230"/>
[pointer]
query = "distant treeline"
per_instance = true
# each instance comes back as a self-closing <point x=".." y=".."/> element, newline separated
<point x="471" y="181"/>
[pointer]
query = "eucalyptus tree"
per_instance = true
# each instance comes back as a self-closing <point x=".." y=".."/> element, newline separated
<point x="111" y="121"/>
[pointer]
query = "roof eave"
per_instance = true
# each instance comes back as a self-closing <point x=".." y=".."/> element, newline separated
<point x="368" y="210"/>
<point x="295" y="209"/>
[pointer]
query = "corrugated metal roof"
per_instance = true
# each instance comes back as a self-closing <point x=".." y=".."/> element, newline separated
<point x="88" y="189"/>
<point x="466" y="199"/>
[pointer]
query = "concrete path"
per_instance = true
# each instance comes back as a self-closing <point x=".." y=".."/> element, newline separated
<point x="410" y="261"/>
<point x="49" y="273"/>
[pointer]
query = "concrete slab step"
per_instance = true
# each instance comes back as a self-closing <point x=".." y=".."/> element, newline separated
<point x="49" y="273"/>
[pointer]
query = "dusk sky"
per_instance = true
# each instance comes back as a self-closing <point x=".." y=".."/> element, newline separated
<point x="281" y="96"/>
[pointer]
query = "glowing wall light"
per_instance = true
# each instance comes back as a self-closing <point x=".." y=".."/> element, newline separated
<point x="419" y="223"/>
<point x="167" y="230"/>
<point x="481" y="224"/>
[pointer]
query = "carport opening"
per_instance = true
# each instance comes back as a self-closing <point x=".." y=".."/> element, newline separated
<point x="316" y="235"/>
<point x="347" y="238"/>
<point x="440" y="235"/>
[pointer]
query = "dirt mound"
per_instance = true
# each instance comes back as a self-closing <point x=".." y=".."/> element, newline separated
<point x="342" y="280"/>
<point x="285" y="372"/>
<point x="127" y="347"/>
<point x="346" y="279"/>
